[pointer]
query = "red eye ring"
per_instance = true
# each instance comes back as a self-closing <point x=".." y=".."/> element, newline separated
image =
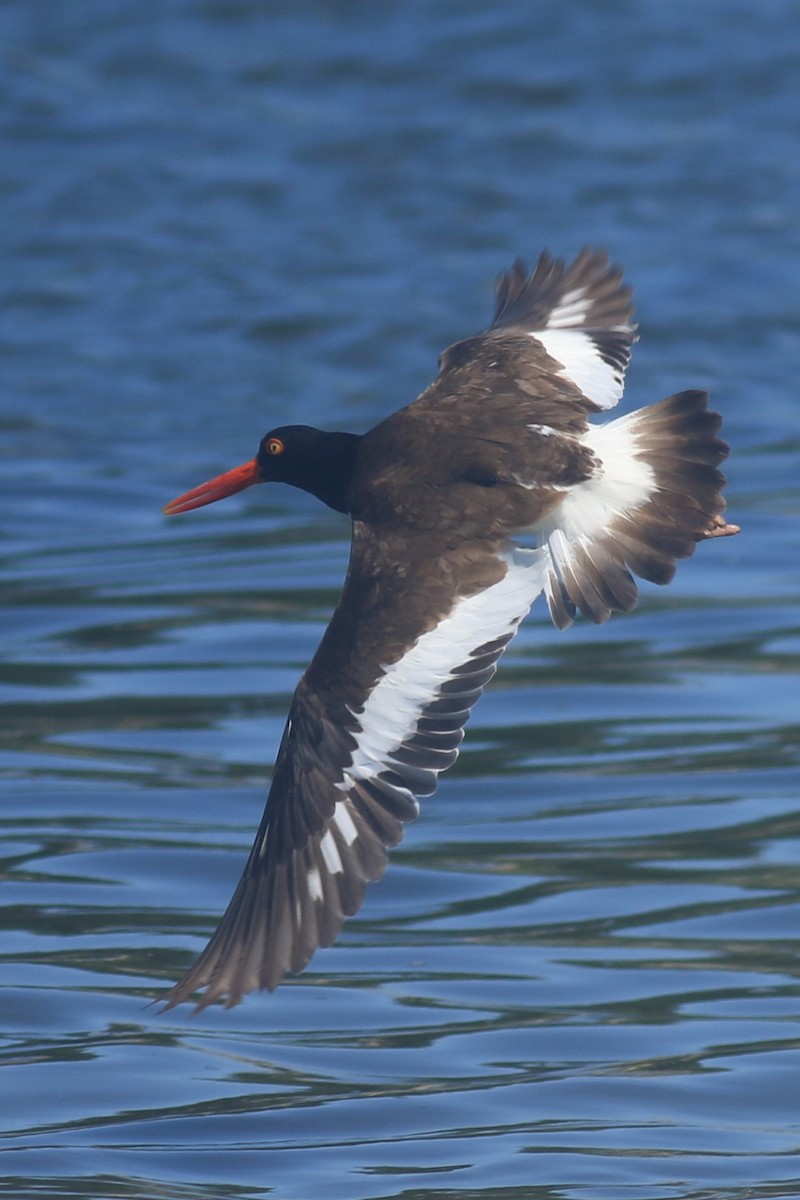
<point x="275" y="446"/>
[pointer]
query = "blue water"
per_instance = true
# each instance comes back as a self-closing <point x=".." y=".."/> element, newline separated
<point x="579" y="978"/>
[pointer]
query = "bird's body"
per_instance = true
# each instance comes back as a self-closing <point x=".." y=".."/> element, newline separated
<point x="497" y="451"/>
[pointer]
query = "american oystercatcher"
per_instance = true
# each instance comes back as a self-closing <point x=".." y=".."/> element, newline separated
<point x="499" y="445"/>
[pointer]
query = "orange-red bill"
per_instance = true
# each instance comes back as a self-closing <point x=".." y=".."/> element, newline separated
<point x="216" y="489"/>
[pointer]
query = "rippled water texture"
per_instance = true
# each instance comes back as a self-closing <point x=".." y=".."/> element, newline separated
<point x="578" y="980"/>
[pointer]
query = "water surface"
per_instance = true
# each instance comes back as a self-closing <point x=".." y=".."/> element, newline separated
<point x="578" y="979"/>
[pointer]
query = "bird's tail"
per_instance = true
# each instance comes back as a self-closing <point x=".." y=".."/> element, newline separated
<point x="657" y="492"/>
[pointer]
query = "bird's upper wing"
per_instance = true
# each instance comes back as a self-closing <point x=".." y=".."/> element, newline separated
<point x="379" y="713"/>
<point x="604" y="502"/>
<point x="581" y="315"/>
<point x="555" y="352"/>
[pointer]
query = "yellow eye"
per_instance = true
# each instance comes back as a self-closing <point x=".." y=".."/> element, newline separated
<point x="275" y="446"/>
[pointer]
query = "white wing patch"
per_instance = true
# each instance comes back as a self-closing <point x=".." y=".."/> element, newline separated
<point x="314" y="885"/>
<point x="330" y="853"/>
<point x="344" y="822"/>
<point x="397" y="701"/>
<point x="582" y="364"/>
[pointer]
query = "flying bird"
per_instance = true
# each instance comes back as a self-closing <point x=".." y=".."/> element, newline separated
<point x="500" y="446"/>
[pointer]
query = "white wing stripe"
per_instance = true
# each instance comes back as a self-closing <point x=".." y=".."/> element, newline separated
<point x="395" y="704"/>
<point x="570" y="310"/>
<point x="344" y="822"/>
<point x="330" y="853"/>
<point x="583" y="365"/>
<point x="314" y="884"/>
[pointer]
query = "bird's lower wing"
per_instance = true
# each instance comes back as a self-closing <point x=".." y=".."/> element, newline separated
<point x="364" y="738"/>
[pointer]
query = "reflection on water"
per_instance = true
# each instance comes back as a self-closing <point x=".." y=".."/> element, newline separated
<point x="578" y="978"/>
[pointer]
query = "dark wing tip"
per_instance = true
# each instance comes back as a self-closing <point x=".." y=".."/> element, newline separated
<point x="294" y="894"/>
<point x="531" y="302"/>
